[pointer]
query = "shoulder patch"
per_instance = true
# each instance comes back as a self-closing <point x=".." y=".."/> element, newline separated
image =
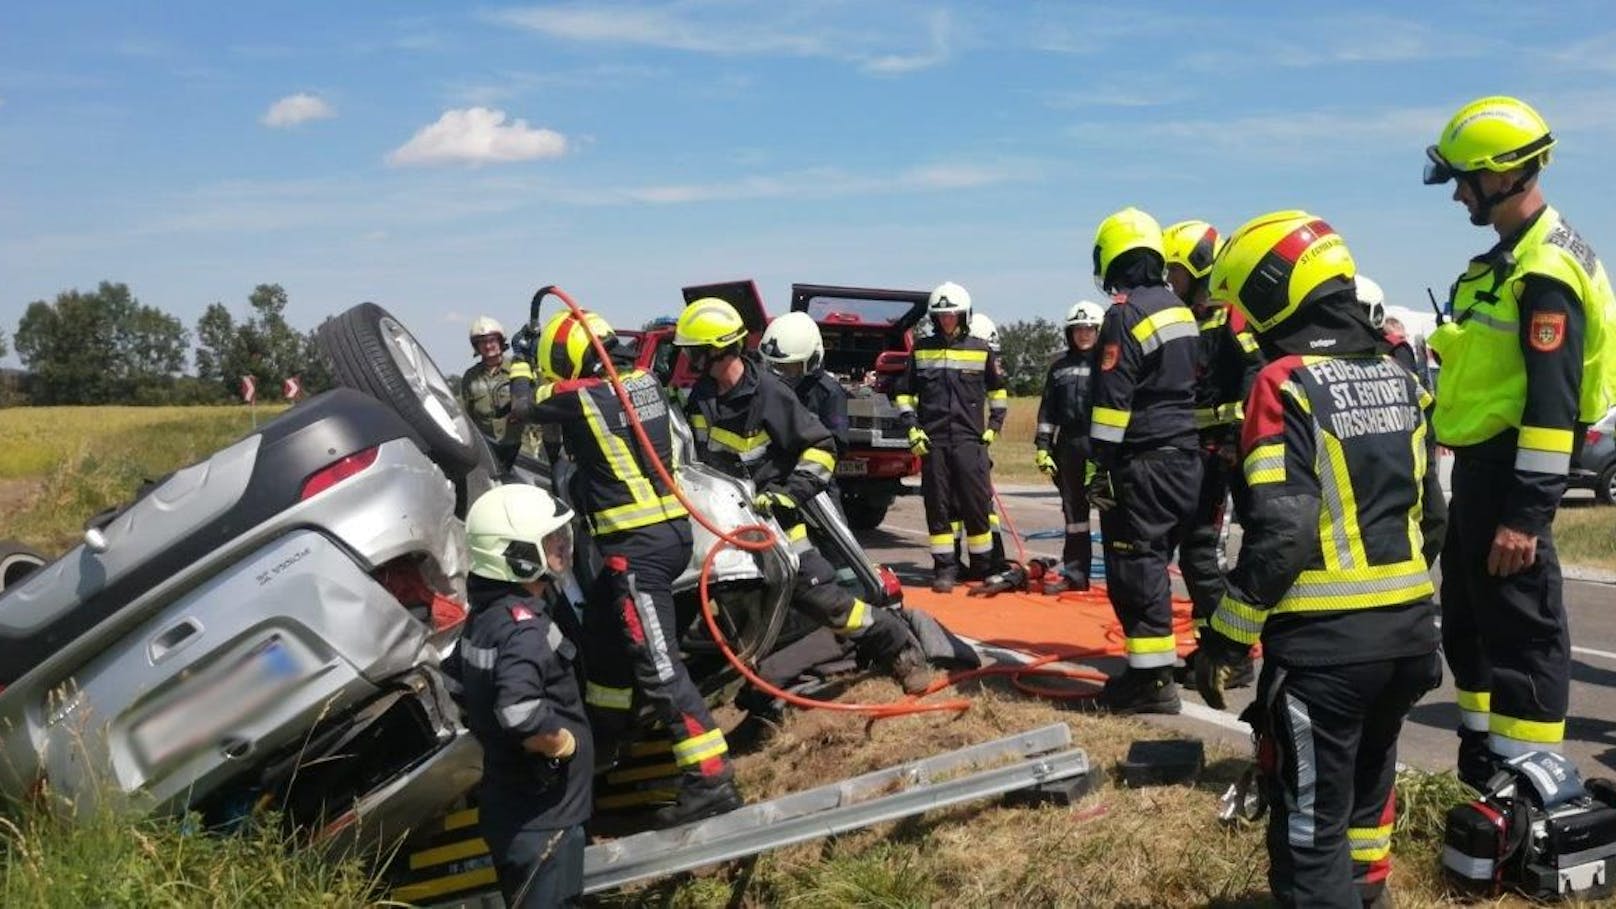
<point x="1547" y="331"/>
<point x="1110" y="356"/>
<point x="521" y="613"/>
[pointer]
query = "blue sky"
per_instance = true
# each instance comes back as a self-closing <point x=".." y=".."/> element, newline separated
<point x="446" y="159"/>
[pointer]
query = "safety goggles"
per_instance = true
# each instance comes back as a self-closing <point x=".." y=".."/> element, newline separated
<point x="1437" y="168"/>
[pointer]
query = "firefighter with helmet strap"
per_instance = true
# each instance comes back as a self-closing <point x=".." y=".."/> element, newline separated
<point x="795" y="351"/>
<point x="485" y="388"/>
<point x="516" y="672"/>
<point x="952" y="377"/>
<point x="643" y="535"/>
<point x="1062" y="439"/>
<point x="1227" y="364"/>
<point x="1332" y="575"/>
<point x="748" y="424"/>
<point x="1148" y="466"/>
<point x="1528" y="361"/>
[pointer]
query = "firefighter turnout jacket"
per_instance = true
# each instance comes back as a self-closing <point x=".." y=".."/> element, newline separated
<point x="1228" y="363"/>
<point x="826" y="399"/>
<point x="1334" y="560"/>
<point x="517" y="674"/>
<point x="1063" y="411"/>
<point x="1144" y="393"/>
<point x="617" y="486"/>
<point x="1528" y="360"/>
<point x="759" y="431"/>
<point x="948" y="382"/>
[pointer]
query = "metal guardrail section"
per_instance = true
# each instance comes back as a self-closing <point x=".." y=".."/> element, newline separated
<point x="873" y="798"/>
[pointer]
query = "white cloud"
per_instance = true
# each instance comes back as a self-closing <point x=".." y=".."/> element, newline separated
<point x="295" y="109"/>
<point x="478" y="135"/>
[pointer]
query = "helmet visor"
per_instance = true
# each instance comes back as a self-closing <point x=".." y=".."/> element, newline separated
<point x="1437" y="168"/>
<point x="558" y="550"/>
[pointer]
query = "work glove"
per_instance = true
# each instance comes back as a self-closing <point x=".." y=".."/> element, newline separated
<point x="1215" y="660"/>
<point x="1101" y="495"/>
<point x="770" y="499"/>
<point x="988" y="436"/>
<point x="525" y="344"/>
<point x="919" y="442"/>
<point x="1044" y="462"/>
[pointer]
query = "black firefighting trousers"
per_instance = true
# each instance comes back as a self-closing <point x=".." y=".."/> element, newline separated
<point x="878" y="634"/>
<point x="632" y="636"/>
<point x="954" y="481"/>
<point x="1155" y="492"/>
<point x="1200" y="556"/>
<point x="1506" y="639"/>
<point x="538" y="867"/>
<point x="1331" y="734"/>
<point x="1071" y="468"/>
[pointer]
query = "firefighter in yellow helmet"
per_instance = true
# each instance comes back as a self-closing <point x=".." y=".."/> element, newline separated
<point x="1528" y="360"/>
<point x="1148" y="465"/>
<point x="1227" y="364"/>
<point x="1333" y="567"/>
<point x="643" y="535"/>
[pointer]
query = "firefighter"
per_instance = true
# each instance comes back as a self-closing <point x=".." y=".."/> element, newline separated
<point x="1148" y="466"/>
<point x="516" y="672"/>
<point x="1062" y="441"/>
<point x="643" y="535"/>
<point x="940" y="399"/>
<point x="1333" y="574"/>
<point x="795" y="351"/>
<point x="486" y="388"/>
<point x="982" y="327"/>
<point x="747" y="423"/>
<point x="1528" y="360"/>
<point x="1227" y="364"/>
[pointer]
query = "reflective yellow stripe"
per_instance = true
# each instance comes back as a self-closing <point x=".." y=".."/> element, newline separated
<point x="1239" y="621"/>
<point x="1537" y="732"/>
<point x="1172" y="323"/>
<point x="1106" y="416"/>
<point x="736" y="442"/>
<point x="1162" y="644"/>
<point x="858" y="618"/>
<point x="820" y="456"/>
<point x="1480" y="701"/>
<point x="1370" y="844"/>
<point x="1265" y="464"/>
<point x="942" y="543"/>
<point x="1340" y="537"/>
<point x="1248" y="342"/>
<point x="999" y="395"/>
<point x="520" y="370"/>
<point x="904" y="402"/>
<point x="964" y="355"/>
<point x="698" y="421"/>
<point x="607" y="697"/>
<point x="699" y="748"/>
<point x="976" y="544"/>
<point x="1555" y="440"/>
<point x="1329" y="590"/>
<point x="645" y="507"/>
<point x="637" y="514"/>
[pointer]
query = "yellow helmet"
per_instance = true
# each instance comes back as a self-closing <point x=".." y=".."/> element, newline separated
<point x="1497" y="133"/>
<point x="565" y="352"/>
<point x="1193" y="245"/>
<point x="1125" y="230"/>
<point x="1277" y="263"/>
<point x="709" y="322"/>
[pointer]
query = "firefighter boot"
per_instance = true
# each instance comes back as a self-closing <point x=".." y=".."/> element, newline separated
<point x="1141" y="691"/>
<point x="911" y="670"/>
<point x="1241" y="675"/>
<point x="943" y="578"/>
<point x="981" y="567"/>
<point x="1477" y="763"/>
<point x="698" y="800"/>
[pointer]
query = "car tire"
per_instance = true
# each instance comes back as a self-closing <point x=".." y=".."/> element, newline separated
<point x="862" y="514"/>
<point x="1605" y="485"/>
<point x="17" y="562"/>
<point x="373" y="352"/>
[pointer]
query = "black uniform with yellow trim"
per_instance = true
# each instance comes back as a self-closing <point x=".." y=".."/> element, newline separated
<point x="1144" y="440"/>
<point x="1333" y="577"/>
<point x="1063" y="431"/>
<point x="643" y="535"/>
<point x="949" y="383"/>
<point x="1228" y="364"/>
<point x="516" y="671"/>
<point x="759" y="431"/>
<point x="826" y="399"/>
<point x="1526" y="365"/>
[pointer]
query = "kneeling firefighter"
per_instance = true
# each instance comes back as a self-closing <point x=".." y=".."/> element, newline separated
<point x="643" y="535"/>
<point x="516" y="672"/>
<point x="1333" y="569"/>
<point x="1062" y="440"/>
<point x="748" y="424"/>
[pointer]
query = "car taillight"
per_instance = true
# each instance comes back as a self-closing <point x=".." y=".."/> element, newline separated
<point x="890" y="585"/>
<point x="337" y="471"/>
<point x="892" y="361"/>
<point x="1593" y="436"/>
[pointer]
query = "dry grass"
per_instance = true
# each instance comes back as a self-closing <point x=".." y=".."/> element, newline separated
<point x="1586" y="535"/>
<point x="1119" y="847"/>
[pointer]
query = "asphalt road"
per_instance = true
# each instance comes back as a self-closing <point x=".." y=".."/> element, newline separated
<point x="1428" y="740"/>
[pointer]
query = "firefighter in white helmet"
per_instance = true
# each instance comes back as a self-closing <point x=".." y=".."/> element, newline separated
<point x="485" y="389"/>
<point x="795" y="351"/>
<point x="1062" y="440"/>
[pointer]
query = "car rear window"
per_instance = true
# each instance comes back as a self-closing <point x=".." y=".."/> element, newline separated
<point x="852" y="310"/>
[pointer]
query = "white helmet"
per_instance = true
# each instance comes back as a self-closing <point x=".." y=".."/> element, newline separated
<point x="949" y="297"/>
<point x="483" y="326"/>
<point x="793" y="338"/>
<point x="1372" y="298"/>
<point x="1085" y="314"/>
<point x="983" y="327"/>
<point x="519" y="533"/>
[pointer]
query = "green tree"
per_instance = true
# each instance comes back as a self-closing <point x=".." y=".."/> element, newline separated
<point x="263" y="345"/>
<point x="3" y="348"/>
<point x="100" y="348"/>
<point x="1025" y="349"/>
